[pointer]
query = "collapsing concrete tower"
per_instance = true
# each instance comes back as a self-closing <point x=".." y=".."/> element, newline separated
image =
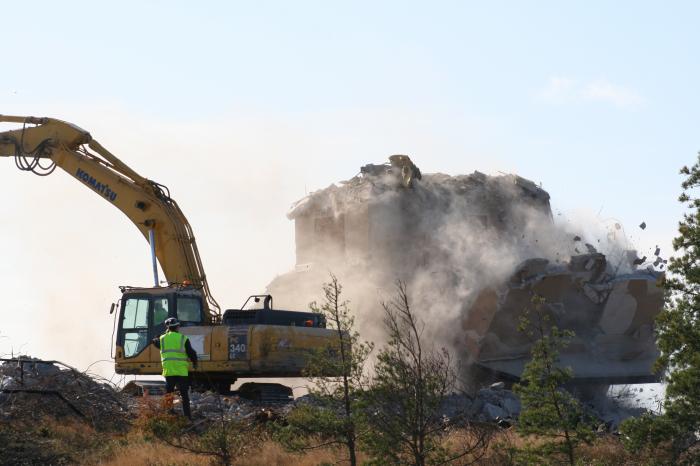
<point x="473" y="250"/>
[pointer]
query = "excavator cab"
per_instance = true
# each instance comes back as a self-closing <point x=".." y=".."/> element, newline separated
<point x="143" y="311"/>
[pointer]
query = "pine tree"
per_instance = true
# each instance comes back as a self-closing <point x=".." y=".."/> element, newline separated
<point x="335" y="417"/>
<point x="678" y="338"/>
<point x="412" y="380"/>
<point x="549" y="412"/>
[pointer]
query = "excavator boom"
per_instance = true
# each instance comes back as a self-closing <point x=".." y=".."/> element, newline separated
<point x="42" y="144"/>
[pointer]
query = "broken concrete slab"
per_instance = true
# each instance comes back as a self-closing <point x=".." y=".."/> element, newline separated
<point x="640" y="260"/>
<point x="511" y="406"/>
<point x="493" y="412"/>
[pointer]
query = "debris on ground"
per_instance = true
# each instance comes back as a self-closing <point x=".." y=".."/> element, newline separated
<point x="501" y="406"/>
<point x="494" y="404"/>
<point x="490" y="404"/>
<point x="213" y="406"/>
<point x="32" y="389"/>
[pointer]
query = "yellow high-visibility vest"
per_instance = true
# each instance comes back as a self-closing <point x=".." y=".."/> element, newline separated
<point x="173" y="356"/>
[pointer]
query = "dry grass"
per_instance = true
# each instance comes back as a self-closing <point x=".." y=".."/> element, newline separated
<point x="608" y="450"/>
<point x="71" y="442"/>
<point x="149" y="454"/>
<point x="605" y="451"/>
<point x="46" y="441"/>
<point x="273" y="454"/>
<point x="139" y="449"/>
<point x="153" y="454"/>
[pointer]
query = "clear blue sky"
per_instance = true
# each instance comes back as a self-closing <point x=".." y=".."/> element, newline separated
<point x="596" y="100"/>
<point x="464" y="67"/>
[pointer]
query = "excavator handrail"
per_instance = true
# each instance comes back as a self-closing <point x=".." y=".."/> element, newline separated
<point x="146" y="203"/>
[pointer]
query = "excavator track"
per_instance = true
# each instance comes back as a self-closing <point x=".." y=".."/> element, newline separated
<point x="266" y="393"/>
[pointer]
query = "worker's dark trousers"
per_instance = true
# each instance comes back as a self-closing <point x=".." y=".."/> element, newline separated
<point x="183" y="385"/>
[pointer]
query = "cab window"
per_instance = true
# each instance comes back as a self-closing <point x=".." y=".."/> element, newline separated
<point x="160" y="311"/>
<point x="135" y="326"/>
<point x="189" y="309"/>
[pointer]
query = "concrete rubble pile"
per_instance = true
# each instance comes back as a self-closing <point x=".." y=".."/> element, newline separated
<point x="31" y="389"/>
<point x="493" y="404"/>
<point x="490" y="404"/>
<point x="474" y="249"/>
<point x="499" y="405"/>
<point x="212" y="406"/>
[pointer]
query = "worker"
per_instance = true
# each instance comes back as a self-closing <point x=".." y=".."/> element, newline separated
<point x="175" y="349"/>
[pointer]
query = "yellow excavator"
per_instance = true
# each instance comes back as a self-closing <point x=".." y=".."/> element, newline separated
<point x="255" y="340"/>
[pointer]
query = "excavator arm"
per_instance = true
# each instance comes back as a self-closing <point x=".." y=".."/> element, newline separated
<point x="42" y="144"/>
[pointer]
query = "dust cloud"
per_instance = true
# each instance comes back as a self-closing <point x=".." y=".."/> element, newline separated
<point x="447" y="237"/>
